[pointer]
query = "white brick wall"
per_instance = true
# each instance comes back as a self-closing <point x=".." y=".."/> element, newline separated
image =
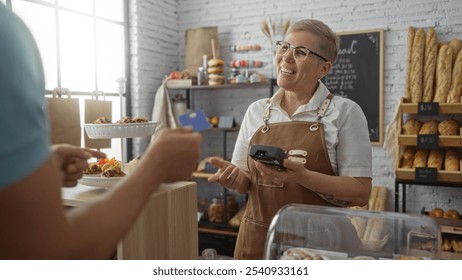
<point x="157" y="43"/>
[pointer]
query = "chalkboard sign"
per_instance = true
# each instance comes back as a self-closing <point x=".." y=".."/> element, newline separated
<point x="358" y="75"/>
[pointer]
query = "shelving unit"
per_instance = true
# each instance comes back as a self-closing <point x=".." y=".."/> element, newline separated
<point x="405" y="176"/>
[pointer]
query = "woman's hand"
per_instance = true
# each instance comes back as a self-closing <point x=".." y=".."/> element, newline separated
<point x="72" y="161"/>
<point x="229" y="175"/>
<point x="294" y="172"/>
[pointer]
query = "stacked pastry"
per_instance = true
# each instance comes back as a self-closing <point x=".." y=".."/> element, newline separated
<point x="434" y="70"/>
<point x="216" y="72"/>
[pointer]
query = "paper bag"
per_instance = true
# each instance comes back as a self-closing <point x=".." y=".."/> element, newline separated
<point x="64" y="118"/>
<point x="199" y="42"/>
<point x="95" y="109"/>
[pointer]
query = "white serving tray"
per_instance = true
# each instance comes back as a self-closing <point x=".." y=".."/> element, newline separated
<point x="120" y="130"/>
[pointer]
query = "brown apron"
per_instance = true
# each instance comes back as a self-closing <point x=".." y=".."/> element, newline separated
<point x="302" y="141"/>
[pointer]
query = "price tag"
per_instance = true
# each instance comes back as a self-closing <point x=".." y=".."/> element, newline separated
<point x="427" y="141"/>
<point x="428" y="108"/>
<point x="426" y="175"/>
<point x="226" y="122"/>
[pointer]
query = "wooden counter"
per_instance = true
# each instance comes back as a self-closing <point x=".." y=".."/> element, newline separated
<point x="166" y="228"/>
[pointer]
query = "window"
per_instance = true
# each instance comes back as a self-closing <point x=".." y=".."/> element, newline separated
<point x="82" y="44"/>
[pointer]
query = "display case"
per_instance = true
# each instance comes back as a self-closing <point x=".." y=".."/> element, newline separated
<point x="320" y="232"/>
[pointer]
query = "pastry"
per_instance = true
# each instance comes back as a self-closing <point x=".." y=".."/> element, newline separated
<point x="449" y="127"/>
<point x="451" y="214"/>
<point x="421" y="157"/>
<point x="411" y="127"/>
<point x="92" y="168"/>
<point x="436" y="213"/>
<point x="431" y="52"/>
<point x="443" y="73"/>
<point x="410" y="39"/>
<point x="435" y="159"/>
<point x="456" y="83"/>
<point x="417" y="61"/>
<point x="451" y="159"/>
<point x="300" y="254"/>
<point x="102" y="120"/>
<point x="430" y="127"/>
<point x="446" y="245"/>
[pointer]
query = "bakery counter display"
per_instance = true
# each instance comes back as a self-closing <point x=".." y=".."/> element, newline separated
<point x="450" y="222"/>
<point x="329" y="233"/>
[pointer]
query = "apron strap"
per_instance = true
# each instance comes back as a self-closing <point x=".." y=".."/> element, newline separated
<point x="322" y="112"/>
<point x="266" y="116"/>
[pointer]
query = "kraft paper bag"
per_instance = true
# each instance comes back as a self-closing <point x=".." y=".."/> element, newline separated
<point x="199" y="42"/>
<point x="95" y="109"/>
<point x="64" y="118"/>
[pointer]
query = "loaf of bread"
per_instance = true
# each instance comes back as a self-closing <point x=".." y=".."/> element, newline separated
<point x="411" y="127"/>
<point x="456" y="46"/>
<point x="410" y="41"/>
<point x="431" y="52"/>
<point x="430" y="127"/>
<point x="449" y="127"/>
<point x="417" y="61"/>
<point x="421" y="157"/>
<point x="455" y="90"/>
<point x="408" y="157"/>
<point x="443" y="74"/>
<point x="451" y="159"/>
<point x="435" y="159"/>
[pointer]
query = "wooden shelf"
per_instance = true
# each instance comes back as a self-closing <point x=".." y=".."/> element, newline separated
<point x="443" y="176"/>
<point x="443" y="141"/>
<point x="226" y="232"/>
<point x="443" y="108"/>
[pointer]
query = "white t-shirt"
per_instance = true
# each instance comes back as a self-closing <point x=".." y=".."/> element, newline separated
<point x="345" y="131"/>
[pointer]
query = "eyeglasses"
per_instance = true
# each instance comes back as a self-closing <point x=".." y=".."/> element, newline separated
<point x="300" y="52"/>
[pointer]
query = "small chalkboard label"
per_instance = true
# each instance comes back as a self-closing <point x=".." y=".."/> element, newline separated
<point x="426" y="175"/>
<point x="428" y="108"/>
<point x="226" y="122"/>
<point x="427" y="141"/>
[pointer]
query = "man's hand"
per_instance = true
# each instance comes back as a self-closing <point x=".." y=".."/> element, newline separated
<point x="72" y="161"/>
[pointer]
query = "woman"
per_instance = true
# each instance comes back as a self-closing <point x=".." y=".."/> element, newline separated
<point x="325" y="137"/>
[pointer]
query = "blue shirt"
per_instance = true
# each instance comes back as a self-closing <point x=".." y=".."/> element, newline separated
<point x="24" y="142"/>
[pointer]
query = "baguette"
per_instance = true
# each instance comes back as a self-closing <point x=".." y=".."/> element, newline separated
<point x="421" y="157"/>
<point x="456" y="83"/>
<point x="451" y="159"/>
<point x="456" y="46"/>
<point x="449" y="127"/>
<point x="410" y="40"/>
<point x="408" y="157"/>
<point x="431" y="52"/>
<point x="417" y="60"/>
<point x="443" y="74"/>
<point x="435" y="159"/>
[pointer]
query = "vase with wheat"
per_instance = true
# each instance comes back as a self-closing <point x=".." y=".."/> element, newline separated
<point x="274" y="30"/>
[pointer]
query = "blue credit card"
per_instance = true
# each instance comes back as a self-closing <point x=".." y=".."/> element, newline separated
<point x="197" y="120"/>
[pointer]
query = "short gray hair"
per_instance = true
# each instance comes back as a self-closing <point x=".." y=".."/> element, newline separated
<point x="328" y="44"/>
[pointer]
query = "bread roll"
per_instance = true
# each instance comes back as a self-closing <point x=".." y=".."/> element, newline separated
<point x="421" y="157"/>
<point x="451" y="159"/>
<point x="436" y="213"/>
<point x="430" y="127"/>
<point x="449" y="127"/>
<point x="435" y="159"/>
<point x="456" y="83"/>
<point x="443" y="74"/>
<point x="411" y="127"/>
<point x="451" y="214"/>
<point x="456" y="46"/>
<point x="408" y="157"/>
<point x="410" y="40"/>
<point x="417" y="61"/>
<point x="431" y="52"/>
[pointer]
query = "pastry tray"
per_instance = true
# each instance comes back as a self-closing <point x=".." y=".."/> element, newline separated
<point x="120" y="130"/>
